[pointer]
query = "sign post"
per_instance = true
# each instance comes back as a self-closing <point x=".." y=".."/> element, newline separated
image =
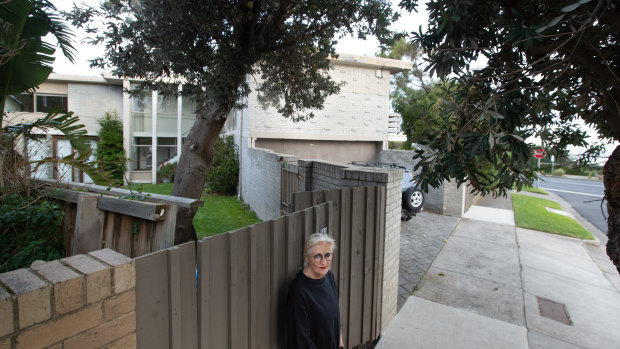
<point x="539" y="154"/>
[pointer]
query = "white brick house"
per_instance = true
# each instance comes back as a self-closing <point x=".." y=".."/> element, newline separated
<point x="353" y="125"/>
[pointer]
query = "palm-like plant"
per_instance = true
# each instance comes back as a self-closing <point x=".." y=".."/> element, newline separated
<point x="25" y="59"/>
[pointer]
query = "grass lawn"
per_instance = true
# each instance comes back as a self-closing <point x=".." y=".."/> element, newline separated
<point x="221" y="213"/>
<point x="534" y="190"/>
<point x="530" y="213"/>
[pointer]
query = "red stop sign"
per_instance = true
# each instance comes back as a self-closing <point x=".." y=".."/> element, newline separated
<point x="539" y="153"/>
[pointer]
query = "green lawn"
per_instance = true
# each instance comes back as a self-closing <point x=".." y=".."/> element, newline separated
<point x="531" y="213"/>
<point x="221" y="213"/>
<point x="534" y="190"/>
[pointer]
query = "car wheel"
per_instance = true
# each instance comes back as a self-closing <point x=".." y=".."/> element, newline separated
<point x="414" y="199"/>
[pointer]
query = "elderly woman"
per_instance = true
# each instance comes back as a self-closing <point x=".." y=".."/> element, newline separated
<point x="313" y="312"/>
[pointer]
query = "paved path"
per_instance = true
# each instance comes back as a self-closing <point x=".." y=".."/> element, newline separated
<point x="421" y="239"/>
<point x="490" y="284"/>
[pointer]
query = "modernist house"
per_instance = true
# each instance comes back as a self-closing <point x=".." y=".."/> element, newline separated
<point x="353" y="125"/>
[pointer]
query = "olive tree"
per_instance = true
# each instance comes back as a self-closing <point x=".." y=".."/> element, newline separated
<point x="549" y="64"/>
<point x="215" y="46"/>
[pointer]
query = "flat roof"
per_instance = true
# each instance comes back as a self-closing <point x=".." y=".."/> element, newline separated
<point x="393" y="65"/>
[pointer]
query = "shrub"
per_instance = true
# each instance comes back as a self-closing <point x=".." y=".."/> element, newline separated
<point x="559" y="172"/>
<point x="110" y="152"/>
<point x="166" y="170"/>
<point x="29" y="230"/>
<point x="224" y="174"/>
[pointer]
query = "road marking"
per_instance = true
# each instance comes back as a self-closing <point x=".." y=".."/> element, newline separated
<point x="573" y="192"/>
<point x="573" y="183"/>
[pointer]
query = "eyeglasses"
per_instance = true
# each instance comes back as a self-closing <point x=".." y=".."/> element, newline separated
<point x="319" y="257"/>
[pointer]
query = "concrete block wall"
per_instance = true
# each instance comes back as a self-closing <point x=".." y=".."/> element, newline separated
<point x="91" y="101"/>
<point x="84" y="301"/>
<point x="359" y="112"/>
<point x="261" y="181"/>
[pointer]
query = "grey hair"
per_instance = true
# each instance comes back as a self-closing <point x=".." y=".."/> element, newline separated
<point x="314" y="239"/>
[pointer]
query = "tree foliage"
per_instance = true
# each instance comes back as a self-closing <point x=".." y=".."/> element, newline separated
<point x="110" y="152"/>
<point x="25" y="58"/>
<point x="224" y="176"/>
<point x="549" y="64"/>
<point x="221" y="50"/>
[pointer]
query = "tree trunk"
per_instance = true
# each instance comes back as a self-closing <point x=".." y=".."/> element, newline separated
<point x="611" y="173"/>
<point x="194" y="165"/>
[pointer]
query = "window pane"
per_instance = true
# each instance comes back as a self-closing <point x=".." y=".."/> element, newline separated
<point x="46" y="104"/>
<point x="189" y="106"/>
<point x="167" y="105"/>
<point x="22" y="102"/>
<point x="142" y="102"/>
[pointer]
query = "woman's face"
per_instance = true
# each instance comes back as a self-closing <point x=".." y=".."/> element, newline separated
<point x="318" y="269"/>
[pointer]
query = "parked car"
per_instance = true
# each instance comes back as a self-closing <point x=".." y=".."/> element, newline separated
<point x="412" y="195"/>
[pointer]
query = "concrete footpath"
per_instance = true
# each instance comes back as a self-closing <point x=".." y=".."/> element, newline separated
<point x="493" y="285"/>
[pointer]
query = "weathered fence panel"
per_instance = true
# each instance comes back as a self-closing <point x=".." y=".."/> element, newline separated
<point x="289" y="184"/>
<point x="358" y="221"/>
<point x="134" y="228"/>
<point x="239" y="295"/>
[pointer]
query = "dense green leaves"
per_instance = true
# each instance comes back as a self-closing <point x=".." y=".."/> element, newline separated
<point x="110" y="152"/>
<point x="25" y="58"/>
<point x="29" y="231"/>
<point x="225" y="173"/>
<point x="548" y="65"/>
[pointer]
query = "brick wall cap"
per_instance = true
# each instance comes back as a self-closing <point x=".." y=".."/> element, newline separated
<point x="55" y="272"/>
<point x="84" y="264"/>
<point x="22" y="281"/>
<point x="111" y="257"/>
<point x="4" y="294"/>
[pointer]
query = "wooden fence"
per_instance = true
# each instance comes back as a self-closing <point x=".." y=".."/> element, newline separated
<point x="288" y="185"/>
<point x="358" y="226"/>
<point x="229" y="290"/>
<point x="134" y="228"/>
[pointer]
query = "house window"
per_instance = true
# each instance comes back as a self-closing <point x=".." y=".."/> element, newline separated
<point x="38" y="103"/>
<point x="143" y="152"/>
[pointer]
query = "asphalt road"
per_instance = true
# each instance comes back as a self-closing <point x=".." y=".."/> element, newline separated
<point x="584" y="195"/>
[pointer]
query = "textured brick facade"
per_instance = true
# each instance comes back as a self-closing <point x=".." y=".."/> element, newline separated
<point x="84" y="301"/>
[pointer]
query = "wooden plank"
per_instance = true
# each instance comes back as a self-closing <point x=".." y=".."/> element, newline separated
<point x="63" y="194"/>
<point x="165" y="229"/>
<point x="140" y="209"/>
<point x="295" y="243"/>
<point x="344" y="283"/>
<point x="369" y="263"/>
<point x="214" y="291"/>
<point x="122" y="236"/>
<point x="260" y="287"/>
<point x="140" y="242"/>
<point x="93" y="188"/>
<point x="356" y="272"/>
<point x="279" y="283"/>
<point x="174" y="295"/>
<point x="152" y="312"/>
<point x="111" y="221"/>
<point x="68" y="227"/>
<point x="188" y="295"/>
<point x="88" y="225"/>
<point x="239" y="288"/>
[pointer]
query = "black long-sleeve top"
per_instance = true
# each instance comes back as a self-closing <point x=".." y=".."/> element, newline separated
<point x="313" y="312"/>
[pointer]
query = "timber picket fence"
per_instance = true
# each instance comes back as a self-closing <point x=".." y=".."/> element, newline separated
<point x="229" y="290"/>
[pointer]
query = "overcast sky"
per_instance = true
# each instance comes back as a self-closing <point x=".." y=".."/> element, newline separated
<point x="407" y="22"/>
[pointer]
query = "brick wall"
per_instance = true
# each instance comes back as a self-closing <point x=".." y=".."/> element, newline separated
<point x="359" y="112"/>
<point x="84" y="301"/>
<point x="261" y="176"/>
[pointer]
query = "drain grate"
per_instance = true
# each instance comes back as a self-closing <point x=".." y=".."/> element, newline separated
<point x="553" y="310"/>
